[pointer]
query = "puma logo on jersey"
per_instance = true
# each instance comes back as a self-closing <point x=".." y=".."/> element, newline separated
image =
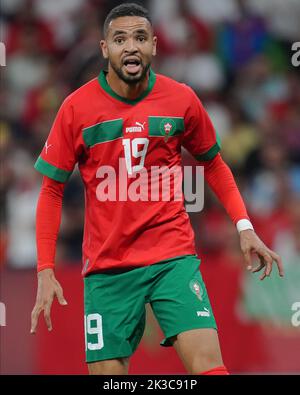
<point x="142" y="125"/>
<point x="204" y="313"/>
<point x="136" y="129"/>
<point x="47" y="146"/>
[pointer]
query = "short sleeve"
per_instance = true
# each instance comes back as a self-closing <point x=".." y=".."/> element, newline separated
<point x="58" y="157"/>
<point x="200" y="137"/>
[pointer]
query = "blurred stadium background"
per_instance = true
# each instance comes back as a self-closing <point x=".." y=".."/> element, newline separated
<point x="237" y="57"/>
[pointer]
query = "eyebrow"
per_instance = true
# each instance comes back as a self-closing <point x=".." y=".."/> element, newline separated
<point x="139" y="31"/>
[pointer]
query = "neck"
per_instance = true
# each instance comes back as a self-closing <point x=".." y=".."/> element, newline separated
<point x="128" y="91"/>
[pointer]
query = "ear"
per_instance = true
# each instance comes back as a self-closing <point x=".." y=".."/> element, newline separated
<point x="104" y="50"/>
<point x="154" y="46"/>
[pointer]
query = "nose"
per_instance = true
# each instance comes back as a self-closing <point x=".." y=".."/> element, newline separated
<point x="131" y="46"/>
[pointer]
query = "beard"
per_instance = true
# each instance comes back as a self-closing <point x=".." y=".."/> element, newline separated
<point x="131" y="79"/>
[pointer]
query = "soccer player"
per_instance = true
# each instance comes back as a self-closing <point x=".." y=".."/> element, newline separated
<point x="135" y="251"/>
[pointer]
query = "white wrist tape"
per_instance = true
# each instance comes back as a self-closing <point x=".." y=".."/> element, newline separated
<point x="244" y="224"/>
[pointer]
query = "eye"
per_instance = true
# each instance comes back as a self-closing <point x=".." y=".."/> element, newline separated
<point x="119" y="40"/>
<point x="141" y="39"/>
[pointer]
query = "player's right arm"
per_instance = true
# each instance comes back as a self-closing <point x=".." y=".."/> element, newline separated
<point x="56" y="162"/>
<point x="48" y="217"/>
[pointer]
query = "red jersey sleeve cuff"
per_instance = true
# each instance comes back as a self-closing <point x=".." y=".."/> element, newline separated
<point x="45" y="266"/>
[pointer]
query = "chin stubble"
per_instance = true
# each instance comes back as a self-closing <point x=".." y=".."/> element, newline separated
<point x="134" y="79"/>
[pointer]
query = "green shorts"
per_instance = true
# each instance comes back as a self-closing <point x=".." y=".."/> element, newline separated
<point x="115" y="312"/>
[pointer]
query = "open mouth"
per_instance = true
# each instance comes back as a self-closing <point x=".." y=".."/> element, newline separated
<point x="132" y="65"/>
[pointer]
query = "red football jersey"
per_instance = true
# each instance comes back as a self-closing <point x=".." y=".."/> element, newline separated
<point x="125" y="224"/>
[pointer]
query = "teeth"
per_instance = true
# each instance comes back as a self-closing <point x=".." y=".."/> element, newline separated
<point x="135" y="62"/>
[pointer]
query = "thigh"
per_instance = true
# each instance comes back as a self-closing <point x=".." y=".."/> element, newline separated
<point x="179" y="299"/>
<point x="198" y="349"/>
<point x="117" y="366"/>
<point x="114" y="318"/>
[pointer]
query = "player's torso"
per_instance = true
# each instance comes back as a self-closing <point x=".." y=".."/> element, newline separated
<point x="129" y="210"/>
<point x="143" y="135"/>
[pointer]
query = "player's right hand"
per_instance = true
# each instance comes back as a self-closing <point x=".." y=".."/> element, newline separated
<point x="48" y="288"/>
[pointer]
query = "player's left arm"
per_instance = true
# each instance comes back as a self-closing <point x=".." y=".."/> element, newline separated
<point x="220" y="178"/>
<point x="201" y="140"/>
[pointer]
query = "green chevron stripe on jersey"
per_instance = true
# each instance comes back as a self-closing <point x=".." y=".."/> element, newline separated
<point x="103" y="132"/>
<point x="51" y="171"/>
<point x="165" y="126"/>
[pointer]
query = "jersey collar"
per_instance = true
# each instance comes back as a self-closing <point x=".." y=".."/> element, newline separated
<point x="103" y="83"/>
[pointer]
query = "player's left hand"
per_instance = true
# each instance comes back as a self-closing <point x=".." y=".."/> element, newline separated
<point x="251" y="243"/>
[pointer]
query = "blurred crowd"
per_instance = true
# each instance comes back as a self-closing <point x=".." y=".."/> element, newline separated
<point x="237" y="57"/>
